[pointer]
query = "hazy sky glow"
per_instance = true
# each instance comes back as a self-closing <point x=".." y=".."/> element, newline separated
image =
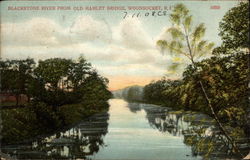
<point x="121" y="49"/>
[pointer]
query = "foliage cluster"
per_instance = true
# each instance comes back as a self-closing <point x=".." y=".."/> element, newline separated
<point x="225" y="79"/>
<point x="61" y="92"/>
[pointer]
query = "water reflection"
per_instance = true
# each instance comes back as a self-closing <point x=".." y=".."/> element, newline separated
<point x="133" y="131"/>
<point x="198" y="131"/>
<point x="131" y="137"/>
<point x="79" y="142"/>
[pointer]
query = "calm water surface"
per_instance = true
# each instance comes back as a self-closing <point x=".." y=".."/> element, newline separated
<point x="133" y="134"/>
<point x="130" y="131"/>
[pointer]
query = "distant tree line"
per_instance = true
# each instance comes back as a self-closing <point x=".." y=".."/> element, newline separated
<point x="132" y="93"/>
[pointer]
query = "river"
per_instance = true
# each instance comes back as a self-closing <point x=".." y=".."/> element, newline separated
<point x="130" y="131"/>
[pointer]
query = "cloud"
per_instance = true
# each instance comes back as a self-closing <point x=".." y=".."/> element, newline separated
<point x="163" y="35"/>
<point x="131" y="34"/>
<point x="46" y="32"/>
<point x="145" y="70"/>
<point x="88" y="29"/>
<point x="36" y="31"/>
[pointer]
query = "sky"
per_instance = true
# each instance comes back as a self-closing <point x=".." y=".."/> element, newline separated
<point x="121" y="48"/>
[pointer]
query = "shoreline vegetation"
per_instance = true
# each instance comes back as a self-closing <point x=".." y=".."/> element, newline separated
<point x="58" y="93"/>
<point x="22" y="125"/>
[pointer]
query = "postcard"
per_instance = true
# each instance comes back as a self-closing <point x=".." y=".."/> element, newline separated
<point x="124" y="80"/>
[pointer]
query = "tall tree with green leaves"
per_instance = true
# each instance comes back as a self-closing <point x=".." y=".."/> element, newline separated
<point x="78" y="72"/>
<point x="52" y="71"/>
<point x="234" y="30"/>
<point x="61" y="80"/>
<point x="188" y="40"/>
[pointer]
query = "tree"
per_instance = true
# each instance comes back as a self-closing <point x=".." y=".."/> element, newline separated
<point x="64" y="81"/>
<point x="153" y="92"/>
<point x="15" y="76"/>
<point x="134" y="93"/>
<point x="188" y="41"/>
<point x="93" y="88"/>
<point x="52" y="74"/>
<point x="52" y="71"/>
<point x="234" y="29"/>
<point x="78" y="72"/>
<point x="234" y="32"/>
<point x="60" y="80"/>
<point x="166" y="92"/>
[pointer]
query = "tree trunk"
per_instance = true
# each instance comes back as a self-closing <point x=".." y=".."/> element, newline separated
<point x="218" y="121"/>
<point x="211" y="107"/>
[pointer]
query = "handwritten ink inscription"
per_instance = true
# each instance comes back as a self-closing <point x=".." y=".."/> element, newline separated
<point x="146" y="14"/>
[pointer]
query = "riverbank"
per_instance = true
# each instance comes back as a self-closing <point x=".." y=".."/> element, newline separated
<point x="67" y="143"/>
<point x="24" y="124"/>
<point x="176" y="111"/>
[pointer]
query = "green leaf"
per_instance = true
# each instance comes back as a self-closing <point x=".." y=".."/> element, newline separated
<point x="188" y="22"/>
<point x="201" y="45"/>
<point x="199" y="32"/>
<point x="175" y="18"/>
<point x="176" y="33"/>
